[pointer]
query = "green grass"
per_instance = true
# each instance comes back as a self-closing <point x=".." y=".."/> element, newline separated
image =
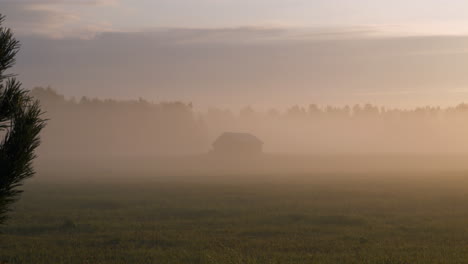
<point x="388" y="219"/>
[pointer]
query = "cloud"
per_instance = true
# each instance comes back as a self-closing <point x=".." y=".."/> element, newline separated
<point x="63" y="2"/>
<point x="241" y="66"/>
<point x="55" y="18"/>
<point x="248" y="35"/>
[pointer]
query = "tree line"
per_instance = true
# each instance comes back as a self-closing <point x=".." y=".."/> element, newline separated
<point x="105" y="127"/>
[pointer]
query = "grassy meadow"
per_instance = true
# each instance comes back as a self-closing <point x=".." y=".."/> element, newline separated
<point x="388" y="218"/>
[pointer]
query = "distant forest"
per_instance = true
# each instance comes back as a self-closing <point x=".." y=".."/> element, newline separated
<point x="96" y="127"/>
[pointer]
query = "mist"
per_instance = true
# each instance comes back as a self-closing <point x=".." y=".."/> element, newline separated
<point x="176" y="136"/>
<point x="233" y="131"/>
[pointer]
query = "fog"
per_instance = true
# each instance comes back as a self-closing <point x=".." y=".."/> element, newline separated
<point x="177" y="137"/>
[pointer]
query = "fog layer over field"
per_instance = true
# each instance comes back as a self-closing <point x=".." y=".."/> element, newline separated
<point x="104" y="130"/>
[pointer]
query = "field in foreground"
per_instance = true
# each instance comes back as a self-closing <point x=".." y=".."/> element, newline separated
<point x="327" y="218"/>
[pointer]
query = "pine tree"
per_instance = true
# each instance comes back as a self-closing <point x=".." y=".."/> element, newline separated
<point x="20" y="125"/>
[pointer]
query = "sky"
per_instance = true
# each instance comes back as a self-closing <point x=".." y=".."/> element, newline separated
<point x="246" y="52"/>
<point x="60" y="18"/>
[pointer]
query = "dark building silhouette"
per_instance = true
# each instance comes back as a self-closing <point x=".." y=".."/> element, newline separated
<point x="230" y="143"/>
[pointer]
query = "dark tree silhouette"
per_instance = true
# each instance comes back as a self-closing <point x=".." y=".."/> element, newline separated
<point x="20" y="125"/>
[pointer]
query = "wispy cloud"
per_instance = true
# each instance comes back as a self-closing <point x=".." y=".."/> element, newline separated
<point x="65" y="2"/>
<point x="56" y="18"/>
<point x="249" y="66"/>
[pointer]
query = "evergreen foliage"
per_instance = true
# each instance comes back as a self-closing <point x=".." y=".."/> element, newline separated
<point x="20" y="125"/>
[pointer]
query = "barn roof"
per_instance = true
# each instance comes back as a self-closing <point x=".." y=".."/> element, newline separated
<point x="232" y="137"/>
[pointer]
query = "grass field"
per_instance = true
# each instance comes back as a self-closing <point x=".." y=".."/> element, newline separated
<point x="307" y="218"/>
